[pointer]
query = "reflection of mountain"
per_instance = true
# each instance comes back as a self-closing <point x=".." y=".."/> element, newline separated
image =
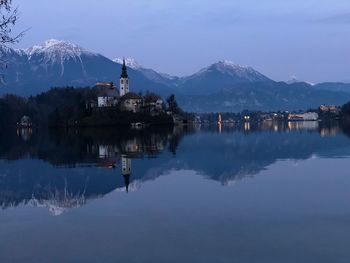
<point x="105" y="160"/>
<point x="230" y="156"/>
<point x="32" y="181"/>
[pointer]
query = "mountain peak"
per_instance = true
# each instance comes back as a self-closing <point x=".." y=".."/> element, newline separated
<point x="293" y="79"/>
<point x="129" y="62"/>
<point x="54" y="49"/>
<point x="52" y="42"/>
<point x="237" y="72"/>
<point x="228" y="64"/>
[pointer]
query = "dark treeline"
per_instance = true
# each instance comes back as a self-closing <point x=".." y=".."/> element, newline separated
<point x="345" y="110"/>
<point x="64" y="103"/>
<point x="67" y="106"/>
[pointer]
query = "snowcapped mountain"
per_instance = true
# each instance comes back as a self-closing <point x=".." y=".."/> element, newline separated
<point x="228" y="68"/>
<point x="60" y="63"/>
<point x="57" y="51"/>
<point x="242" y="73"/>
<point x="220" y="75"/>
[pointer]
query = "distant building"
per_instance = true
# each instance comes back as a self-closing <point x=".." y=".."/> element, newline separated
<point x="197" y="119"/>
<point x="25" y="122"/>
<point x="219" y="119"/>
<point x="107" y="95"/>
<point x="308" y="116"/>
<point x="130" y="102"/>
<point x="330" y="108"/>
<point x="153" y="104"/>
<point x="107" y="151"/>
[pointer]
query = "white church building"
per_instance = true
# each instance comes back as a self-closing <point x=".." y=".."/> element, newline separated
<point x="108" y="94"/>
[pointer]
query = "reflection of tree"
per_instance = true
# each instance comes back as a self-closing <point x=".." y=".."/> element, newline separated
<point x="231" y="155"/>
<point x="178" y="133"/>
<point x="345" y="126"/>
<point x="72" y="147"/>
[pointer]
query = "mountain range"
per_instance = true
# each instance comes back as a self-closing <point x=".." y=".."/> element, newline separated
<point x="222" y="86"/>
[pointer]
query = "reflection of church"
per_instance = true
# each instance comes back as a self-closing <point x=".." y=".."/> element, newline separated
<point x="126" y="171"/>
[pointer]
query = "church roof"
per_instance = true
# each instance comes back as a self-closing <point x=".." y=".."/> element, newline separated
<point x="124" y="71"/>
<point x="131" y="96"/>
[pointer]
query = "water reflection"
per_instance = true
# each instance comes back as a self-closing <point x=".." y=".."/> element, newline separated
<point x="25" y="133"/>
<point x="61" y="170"/>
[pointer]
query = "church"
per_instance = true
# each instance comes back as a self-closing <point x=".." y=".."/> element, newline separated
<point x="129" y="101"/>
<point x="109" y="96"/>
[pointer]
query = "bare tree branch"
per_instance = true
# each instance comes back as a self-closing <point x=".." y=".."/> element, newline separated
<point x="8" y="18"/>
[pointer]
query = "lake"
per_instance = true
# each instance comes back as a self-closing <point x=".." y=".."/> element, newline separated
<point x="273" y="192"/>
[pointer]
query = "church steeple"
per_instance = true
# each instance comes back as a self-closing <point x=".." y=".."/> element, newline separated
<point x="124" y="81"/>
<point x="126" y="171"/>
<point x="124" y="71"/>
<point x="126" y="182"/>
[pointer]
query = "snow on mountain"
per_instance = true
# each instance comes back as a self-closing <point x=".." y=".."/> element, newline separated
<point x="294" y="79"/>
<point x="4" y="50"/>
<point x="57" y="50"/>
<point x="56" y="206"/>
<point x="129" y="62"/>
<point x="220" y="75"/>
<point x="229" y="68"/>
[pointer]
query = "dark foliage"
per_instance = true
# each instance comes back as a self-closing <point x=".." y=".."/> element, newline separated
<point x="66" y="107"/>
<point x="58" y="105"/>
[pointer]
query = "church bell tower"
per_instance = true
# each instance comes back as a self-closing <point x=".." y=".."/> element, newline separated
<point x="126" y="171"/>
<point x="124" y="80"/>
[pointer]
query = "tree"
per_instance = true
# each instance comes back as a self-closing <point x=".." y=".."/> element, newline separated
<point x="8" y="18"/>
<point x="345" y="110"/>
<point x="172" y="104"/>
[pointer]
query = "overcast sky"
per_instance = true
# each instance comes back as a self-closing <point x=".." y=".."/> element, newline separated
<point x="306" y="38"/>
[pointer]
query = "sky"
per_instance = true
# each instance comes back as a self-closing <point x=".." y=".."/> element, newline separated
<point x="308" y="39"/>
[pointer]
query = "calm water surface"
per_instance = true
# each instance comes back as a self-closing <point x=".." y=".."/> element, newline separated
<point x="273" y="193"/>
